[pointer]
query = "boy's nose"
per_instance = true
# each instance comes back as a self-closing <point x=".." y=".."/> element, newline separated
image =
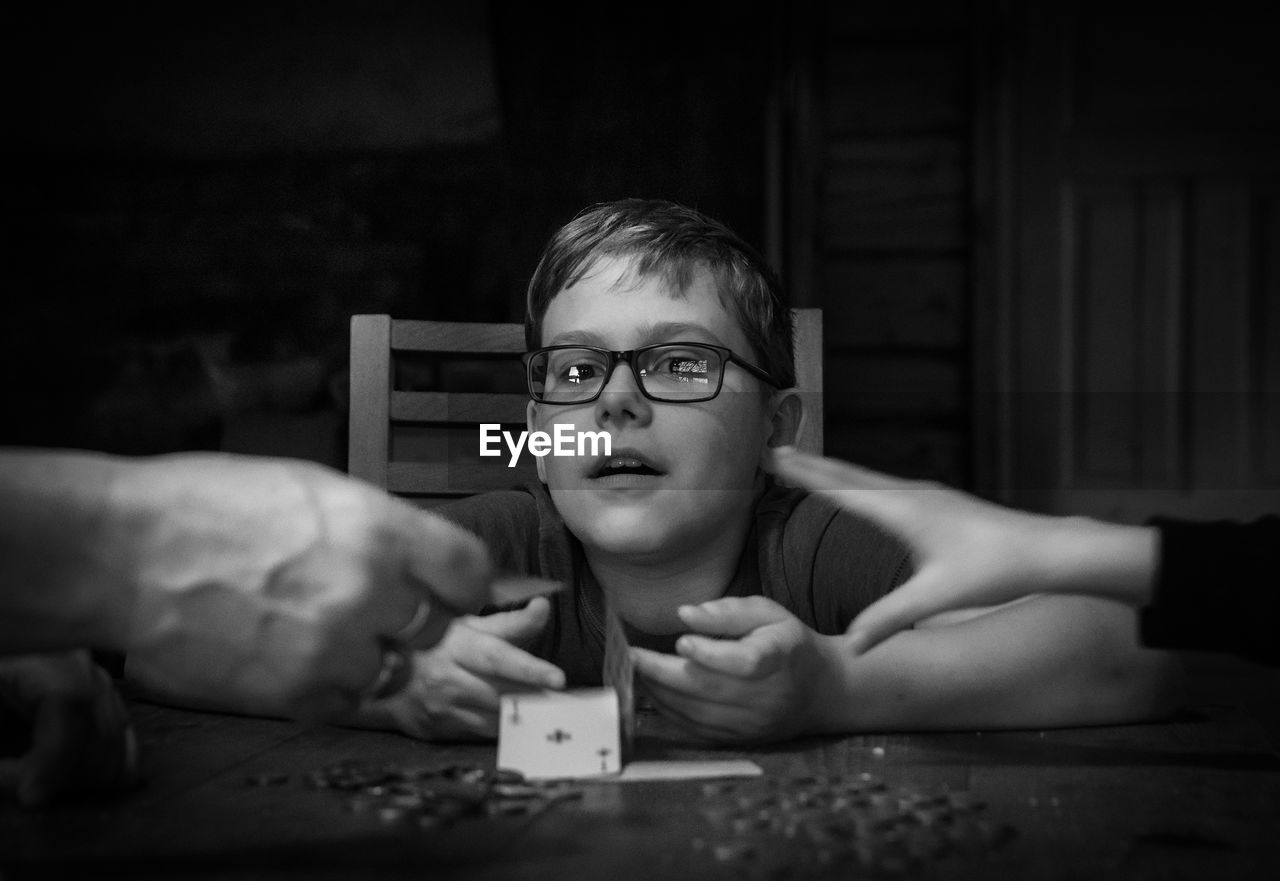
<point x="621" y="396"/>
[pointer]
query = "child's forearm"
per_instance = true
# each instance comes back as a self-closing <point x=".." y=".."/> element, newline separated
<point x="60" y="579"/>
<point x="1051" y="661"/>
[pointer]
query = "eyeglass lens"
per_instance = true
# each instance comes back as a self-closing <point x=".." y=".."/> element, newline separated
<point x="669" y="373"/>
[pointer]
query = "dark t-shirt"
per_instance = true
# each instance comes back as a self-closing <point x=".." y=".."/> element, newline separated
<point x="822" y="563"/>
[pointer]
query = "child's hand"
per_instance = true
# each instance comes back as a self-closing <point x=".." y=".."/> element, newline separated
<point x="454" y="694"/>
<point x="764" y="679"/>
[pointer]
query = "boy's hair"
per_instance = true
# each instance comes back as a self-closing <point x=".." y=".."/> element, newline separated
<point x="675" y="241"/>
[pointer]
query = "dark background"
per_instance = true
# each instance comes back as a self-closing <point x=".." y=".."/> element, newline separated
<point x="201" y="194"/>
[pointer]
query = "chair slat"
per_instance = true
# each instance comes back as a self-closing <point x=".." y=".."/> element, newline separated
<point x="384" y="421"/>
<point x="456" y="336"/>
<point x="424" y="478"/>
<point x="369" y="427"/>
<point x="458" y="407"/>
<point x="808" y="344"/>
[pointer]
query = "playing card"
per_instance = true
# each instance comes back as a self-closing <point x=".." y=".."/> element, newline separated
<point x="704" y="769"/>
<point x="553" y="734"/>
<point x="510" y="588"/>
<point x="619" y="675"/>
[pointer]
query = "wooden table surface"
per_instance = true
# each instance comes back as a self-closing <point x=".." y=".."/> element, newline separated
<point x="228" y="797"/>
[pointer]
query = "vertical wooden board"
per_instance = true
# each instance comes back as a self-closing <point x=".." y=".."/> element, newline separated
<point x="1267" y="299"/>
<point x="1103" y="336"/>
<point x="898" y="89"/>
<point x="810" y="353"/>
<point x="916" y="452"/>
<point x="922" y="19"/>
<point x="896" y="194"/>
<point x="898" y="301"/>
<point x="878" y="385"/>
<point x="1218" y="344"/>
<point x="457" y="446"/>
<point x="1195" y="71"/>
<point x="1162" y="308"/>
<point x="370" y="411"/>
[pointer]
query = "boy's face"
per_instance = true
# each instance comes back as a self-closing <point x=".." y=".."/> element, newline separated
<point x="698" y="460"/>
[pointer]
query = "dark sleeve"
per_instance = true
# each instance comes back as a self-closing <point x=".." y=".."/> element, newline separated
<point x="850" y="562"/>
<point x="1215" y="588"/>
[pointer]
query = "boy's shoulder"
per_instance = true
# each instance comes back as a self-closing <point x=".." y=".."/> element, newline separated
<point x="816" y="542"/>
<point x="513" y="523"/>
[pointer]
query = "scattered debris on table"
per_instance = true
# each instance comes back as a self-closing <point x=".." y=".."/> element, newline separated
<point x="808" y="824"/>
<point x="788" y="827"/>
<point x="432" y="797"/>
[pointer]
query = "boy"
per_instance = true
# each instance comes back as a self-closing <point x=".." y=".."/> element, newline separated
<point x="660" y="326"/>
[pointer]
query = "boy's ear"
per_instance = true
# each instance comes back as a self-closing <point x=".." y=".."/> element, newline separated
<point x="530" y="420"/>
<point x="787" y="419"/>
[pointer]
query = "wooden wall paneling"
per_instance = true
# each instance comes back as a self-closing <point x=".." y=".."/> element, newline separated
<point x="1104" y="337"/>
<point x="1138" y="272"/>
<point x="369" y="422"/>
<point x="1124" y="410"/>
<point x="1162" y="309"/>
<point x="900" y="194"/>
<point x="1035" y="345"/>
<point x="880" y="386"/>
<point x="992" y="263"/>
<point x="923" y="451"/>
<point x="921" y="19"/>
<point x="875" y="88"/>
<point x="907" y="302"/>
<point x="894" y="221"/>
<point x="793" y="142"/>
<point x="1267" y="297"/>
<point x="1219" y="336"/>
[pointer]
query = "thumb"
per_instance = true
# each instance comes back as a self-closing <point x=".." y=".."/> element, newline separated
<point x="442" y="563"/>
<point x="518" y="625"/>
<point x="916" y="599"/>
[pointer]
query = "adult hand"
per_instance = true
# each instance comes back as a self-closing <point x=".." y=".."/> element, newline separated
<point x="971" y="553"/>
<point x="456" y="688"/>
<point x="64" y="708"/>
<point x="751" y="672"/>
<point x="280" y="587"/>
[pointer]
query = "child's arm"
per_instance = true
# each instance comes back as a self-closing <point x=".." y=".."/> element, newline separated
<point x="1041" y="663"/>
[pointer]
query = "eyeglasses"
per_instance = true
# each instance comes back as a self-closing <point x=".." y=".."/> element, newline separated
<point x="676" y="372"/>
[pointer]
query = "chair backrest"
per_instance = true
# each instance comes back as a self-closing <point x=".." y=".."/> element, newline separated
<point x="421" y="389"/>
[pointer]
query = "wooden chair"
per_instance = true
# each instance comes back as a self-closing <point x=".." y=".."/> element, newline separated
<point x="420" y="389"/>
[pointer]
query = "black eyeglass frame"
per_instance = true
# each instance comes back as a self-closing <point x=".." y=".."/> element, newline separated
<point x="629" y="356"/>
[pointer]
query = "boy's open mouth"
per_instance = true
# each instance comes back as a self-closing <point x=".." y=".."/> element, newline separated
<point x="625" y="463"/>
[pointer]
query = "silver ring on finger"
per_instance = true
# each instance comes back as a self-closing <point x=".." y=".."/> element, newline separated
<point x="395" y="672"/>
<point x="416" y="623"/>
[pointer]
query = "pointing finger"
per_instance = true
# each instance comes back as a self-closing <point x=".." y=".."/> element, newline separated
<point x="733" y="616"/>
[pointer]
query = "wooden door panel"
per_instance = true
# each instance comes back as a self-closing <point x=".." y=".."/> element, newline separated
<point x="1142" y="278"/>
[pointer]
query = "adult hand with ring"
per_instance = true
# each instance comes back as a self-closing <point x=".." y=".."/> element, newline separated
<point x="397" y="659"/>
<point x="309" y="598"/>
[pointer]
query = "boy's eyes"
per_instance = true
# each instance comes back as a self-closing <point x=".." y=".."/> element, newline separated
<point x="579" y="368"/>
<point x="682" y="364"/>
<point x="675" y="364"/>
<point x="580" y="372"/>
